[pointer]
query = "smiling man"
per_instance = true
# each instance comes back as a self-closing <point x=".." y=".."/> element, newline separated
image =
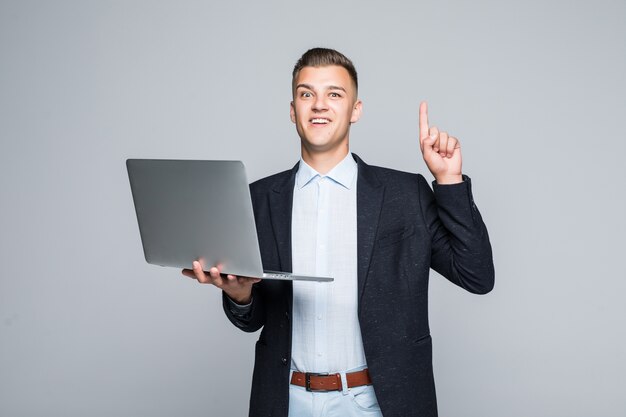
<point x="324" y="106"/>
<point x="361" y="345"/>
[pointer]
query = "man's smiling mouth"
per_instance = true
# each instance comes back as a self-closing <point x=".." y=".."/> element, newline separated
<point x="320" y="121"/>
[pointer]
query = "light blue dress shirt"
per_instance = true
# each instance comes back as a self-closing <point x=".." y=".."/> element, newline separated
<point x="326" y="336"/>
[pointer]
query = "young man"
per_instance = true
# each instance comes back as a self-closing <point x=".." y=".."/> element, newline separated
<point x="377" y="232"/>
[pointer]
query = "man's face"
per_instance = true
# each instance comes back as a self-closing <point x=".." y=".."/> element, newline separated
<point x="323" y="107"/>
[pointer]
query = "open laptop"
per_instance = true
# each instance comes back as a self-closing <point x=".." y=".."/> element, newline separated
<point x="199" y="211"/>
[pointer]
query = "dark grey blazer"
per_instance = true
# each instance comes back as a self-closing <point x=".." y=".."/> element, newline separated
<point x="404" y="229"/>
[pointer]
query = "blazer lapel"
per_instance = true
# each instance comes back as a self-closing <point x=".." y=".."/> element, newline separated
<point x="369" y="199"/>
<point x="281" y="203"/>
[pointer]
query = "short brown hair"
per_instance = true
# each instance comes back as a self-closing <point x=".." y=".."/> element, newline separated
<point x="323" y="57"/>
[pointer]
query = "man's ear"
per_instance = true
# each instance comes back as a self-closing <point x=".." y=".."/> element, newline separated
<point x="292" y="112"/>
<point x="356" y="111"/>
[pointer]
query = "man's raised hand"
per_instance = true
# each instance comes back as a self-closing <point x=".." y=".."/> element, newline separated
<point x="442" y="153"/>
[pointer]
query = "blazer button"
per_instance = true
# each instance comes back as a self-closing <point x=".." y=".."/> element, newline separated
<point x="284" y="361"/>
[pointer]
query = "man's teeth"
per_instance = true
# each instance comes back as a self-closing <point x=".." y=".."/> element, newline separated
<point x="323" y="121"/>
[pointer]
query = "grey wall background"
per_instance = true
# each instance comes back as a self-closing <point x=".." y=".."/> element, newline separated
<point x="534" y="90"/>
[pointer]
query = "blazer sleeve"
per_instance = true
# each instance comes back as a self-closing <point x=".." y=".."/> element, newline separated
<point x="249" y="319"/>
<point x="460" y="247"/>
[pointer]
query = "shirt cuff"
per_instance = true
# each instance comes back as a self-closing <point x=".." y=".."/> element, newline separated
<point x="239" y="310"/>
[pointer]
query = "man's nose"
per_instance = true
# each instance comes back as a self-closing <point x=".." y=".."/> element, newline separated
<point x="319" y="103"/>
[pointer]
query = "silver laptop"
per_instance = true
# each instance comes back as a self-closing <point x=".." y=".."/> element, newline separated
<point x="198" y="211"/>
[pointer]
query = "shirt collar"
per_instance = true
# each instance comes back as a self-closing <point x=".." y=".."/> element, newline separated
<point x="344" y="173"/>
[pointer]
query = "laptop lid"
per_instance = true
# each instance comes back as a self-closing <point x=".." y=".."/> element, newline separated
<point x="197" y="210"/>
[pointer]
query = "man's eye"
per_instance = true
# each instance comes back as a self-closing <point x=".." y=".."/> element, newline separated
<point x="306" y="94"/>
<point x="335" y="95"/>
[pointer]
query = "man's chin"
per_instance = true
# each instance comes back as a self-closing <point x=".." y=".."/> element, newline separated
<point x="323" y="147"/>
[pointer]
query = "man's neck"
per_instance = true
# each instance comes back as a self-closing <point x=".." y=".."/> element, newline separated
<point x="323" y="162"/>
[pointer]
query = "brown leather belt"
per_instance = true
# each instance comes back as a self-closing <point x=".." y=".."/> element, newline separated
<point x="329" y="382"/>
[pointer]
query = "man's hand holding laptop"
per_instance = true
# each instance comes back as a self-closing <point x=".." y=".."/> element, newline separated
<point x="239" y="289"/>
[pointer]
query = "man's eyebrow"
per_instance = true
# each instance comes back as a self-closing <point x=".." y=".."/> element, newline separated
<point x="307" y="86"/>
<point x="336" y="87"/>
<point x="330" y="87"/>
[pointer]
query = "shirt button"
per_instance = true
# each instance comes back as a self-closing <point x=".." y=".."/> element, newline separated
<point x="319" y="354"/>
<point x="319" y="316"/>
<point x="284" y="361"/>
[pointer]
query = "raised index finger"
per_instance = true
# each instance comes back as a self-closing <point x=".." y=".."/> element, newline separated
<point x="423" y="120"/>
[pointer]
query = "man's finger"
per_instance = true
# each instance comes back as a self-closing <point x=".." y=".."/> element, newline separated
<point x="443" y="143"/>
<point x="453" y="143"/>
<point x="433" y="134"/>
<point x="423" y="121"/>
<point x="199" y="273"/>
<point x="216" y="277"/>
<point x="245" y="280"/>
<point x="189" y="273"/>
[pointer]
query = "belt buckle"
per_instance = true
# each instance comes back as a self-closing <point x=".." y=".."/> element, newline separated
<point x="307" y="381"/>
